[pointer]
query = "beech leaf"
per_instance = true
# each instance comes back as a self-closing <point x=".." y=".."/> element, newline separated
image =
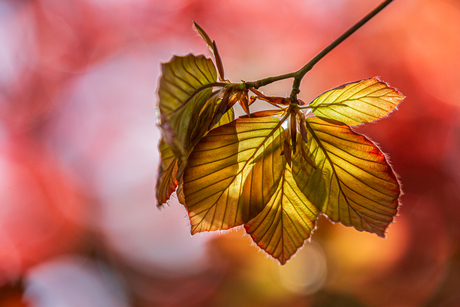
<point x="180" y="101"/>
<point x="166" y="182"/>
<point x="169" y="174"/>
<point x="228" y="117"/>
<point x="286" y="221"/>
<point x="213" y="47"/>
<point x="353" y="182"/>
<point x="232" y="173"/>
<point x="358" y="102"/>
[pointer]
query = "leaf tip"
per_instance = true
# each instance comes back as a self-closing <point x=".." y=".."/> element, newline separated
<point x="381" y="234"/>
<point x="203" y="34"/>
<point x="282" y="261"/>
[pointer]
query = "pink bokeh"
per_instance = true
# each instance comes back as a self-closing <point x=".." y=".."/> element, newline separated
<point x="78" y="153"/>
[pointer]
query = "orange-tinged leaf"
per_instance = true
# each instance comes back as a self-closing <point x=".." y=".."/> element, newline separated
<point x="286" y="221"/>
<point x="353" y="182"/>
<point x="219" y="64"/>
<point x="180" y="191"/>
<point x="233" y="172"/>
<point x="180" y="104"/>
<point x="303" y="130"/>
<point x="166" y="181"/>
<point x="358" y="102"/>
<point x="243" y="99"/>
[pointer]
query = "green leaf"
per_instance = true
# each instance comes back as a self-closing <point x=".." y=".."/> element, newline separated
<point x="353" y="182"/>
<point x="166" y="181"/>
<point x="181" y="100"/>
<point x="233" y="172"/>
<point x="358" y="102"/>
<point x="286" y="221"/>
<point x="170" y="174"/>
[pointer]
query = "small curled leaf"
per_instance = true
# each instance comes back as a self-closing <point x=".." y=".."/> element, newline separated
<point x="213" y="47"/>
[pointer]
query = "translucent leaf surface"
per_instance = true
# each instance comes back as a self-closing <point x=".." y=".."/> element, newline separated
<point x="233" y="172"/>
<point x="353" y="183"/>
<point x="286" y="221"/>
<point x="180" y="103"/>
<point x="356" y="103"/>
<point x="228" y="117"/>
<point x="214" y="114"/>
<point x="169" y="173"/>
<point x="166" y="182"/>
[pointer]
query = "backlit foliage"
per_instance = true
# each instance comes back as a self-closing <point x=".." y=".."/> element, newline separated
<point x="253" y="171"/>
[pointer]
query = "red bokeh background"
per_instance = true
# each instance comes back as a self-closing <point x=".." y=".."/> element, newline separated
<point x="78" y="153"/>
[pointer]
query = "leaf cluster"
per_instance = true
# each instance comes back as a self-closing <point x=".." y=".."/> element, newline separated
<point x="273" y="171"/>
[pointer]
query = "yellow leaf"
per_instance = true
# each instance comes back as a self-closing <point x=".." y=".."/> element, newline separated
<point x="228" y="117"/>
<point x="353" y="182"/>
<point x="286" y="221"/>
<point x="232" y="173"/>
<point x="358" y="102"/>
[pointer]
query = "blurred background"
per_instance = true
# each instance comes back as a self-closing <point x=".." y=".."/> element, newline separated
<point x="78" y="153"/>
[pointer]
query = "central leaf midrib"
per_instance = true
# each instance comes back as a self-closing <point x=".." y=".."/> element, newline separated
<point x="256" y="149"/>
<point x="318" y="141"/>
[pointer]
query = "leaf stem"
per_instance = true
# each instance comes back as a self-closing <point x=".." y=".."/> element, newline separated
<point x="298" y="75"/>
<point x="266" y="81"/>
<point x="301" y="72"/>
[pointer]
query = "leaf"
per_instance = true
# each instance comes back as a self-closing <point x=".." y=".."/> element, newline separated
<point x="170" y="174"/>
<point x="209" y="116"/>
<point x="171" y="168"/>
<point x="228" y="117"/>
<point x="353" y="183"/>
<point x="166" y="181"/>
<point x="287" y="148"/>
<point x="203" y="34"/>
<point x="180" y="191"/>
<point x="286" y="221"/>
<point x="232" y="173"/>
<point x="304" y="157"/>
<point x="243" y="99"/>
<point x="213" y="47"/>
<point x="356" y="103"/>
<point x="181" y="102"/>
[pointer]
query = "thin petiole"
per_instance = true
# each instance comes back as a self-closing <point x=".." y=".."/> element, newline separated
<point x="301" y="72"/>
